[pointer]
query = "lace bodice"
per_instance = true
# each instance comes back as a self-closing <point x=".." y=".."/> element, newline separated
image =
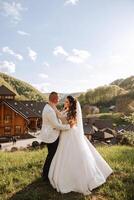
<point x="63" y="117"/>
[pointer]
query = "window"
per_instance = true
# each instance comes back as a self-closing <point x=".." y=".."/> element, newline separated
<point x="8" y="119"/>
<point x="17" y="129"/>
<point x="7" y="130"/>
<point x="8" y="97"/>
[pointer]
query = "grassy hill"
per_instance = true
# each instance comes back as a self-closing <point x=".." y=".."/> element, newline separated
<point x="127" y="84"/>
<point x="100" y="96"/>
<point x="20" y="176"/>
<point x="109" y="94"/>
<point x="23" y="90"/>
<point x="105" y="94"/>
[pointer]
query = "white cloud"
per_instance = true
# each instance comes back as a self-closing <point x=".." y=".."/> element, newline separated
<point x="72" y="2"/>
<point x="11" y="52"/>
<point x="90" y="67"/>
<point x="60" y="51"/>
<point x="76" y="56"/>
<point x="7" y="67"/>
<point x="32" y="54"/>
<point x="23" y="33"/>
<point x="42" y="75"/>
<point x="12" y="10"/>
<point x="46" y="64"/>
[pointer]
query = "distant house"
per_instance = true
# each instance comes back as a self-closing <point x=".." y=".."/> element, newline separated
<point x="112" y="108"/>
<point x="98" y="129"/>
<point x="17" y="117"/>
<point x="88" y="128"/>
<point x="103" y="123"/>
<point x="102" y="136"/>
<point x="88" y="109"/>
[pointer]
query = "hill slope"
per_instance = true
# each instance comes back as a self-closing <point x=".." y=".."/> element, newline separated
<point x="104" y="95"/>
<point x="127" y="84"/>
<point x="23" y="90"/>
<point x="108" y="95"/>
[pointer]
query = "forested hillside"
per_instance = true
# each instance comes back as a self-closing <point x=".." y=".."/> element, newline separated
<point x="119" y="90"/>
<point x="23" y="90"/>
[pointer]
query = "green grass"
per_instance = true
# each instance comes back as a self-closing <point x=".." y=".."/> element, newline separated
<point x="20" y="176"/>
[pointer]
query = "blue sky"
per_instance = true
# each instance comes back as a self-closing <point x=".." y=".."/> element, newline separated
<point x="67" y="45"/>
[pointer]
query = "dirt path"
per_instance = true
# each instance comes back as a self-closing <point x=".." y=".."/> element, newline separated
<point x="19" y="144"/>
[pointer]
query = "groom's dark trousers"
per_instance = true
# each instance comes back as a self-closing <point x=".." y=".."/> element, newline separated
<point x="52" y="147"/>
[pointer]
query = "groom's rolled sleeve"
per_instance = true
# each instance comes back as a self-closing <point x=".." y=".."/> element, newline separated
<point x="53" y="120"/>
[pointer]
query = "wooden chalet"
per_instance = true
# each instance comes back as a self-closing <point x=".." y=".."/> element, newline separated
<point x="18" y="117"/>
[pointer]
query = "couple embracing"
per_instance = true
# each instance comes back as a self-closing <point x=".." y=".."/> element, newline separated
<point x="72" y="163"/>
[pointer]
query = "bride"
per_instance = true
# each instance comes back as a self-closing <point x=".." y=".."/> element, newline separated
<point x="76" y="166"/>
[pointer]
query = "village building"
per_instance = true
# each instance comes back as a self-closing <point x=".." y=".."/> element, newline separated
<point x="18" y="117"/>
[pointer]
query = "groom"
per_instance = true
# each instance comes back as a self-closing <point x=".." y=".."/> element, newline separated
<point x="51" y="129"/>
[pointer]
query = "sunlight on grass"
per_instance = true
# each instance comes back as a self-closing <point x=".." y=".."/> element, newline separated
<point x="20" y="176"/>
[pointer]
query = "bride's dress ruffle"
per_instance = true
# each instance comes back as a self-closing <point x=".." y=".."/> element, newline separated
<point x="77" y="166"/>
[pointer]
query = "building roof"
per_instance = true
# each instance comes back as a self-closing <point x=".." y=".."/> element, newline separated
<point x="35" y="106"/>
<point x="103" y="123"/>
<point x="25" y="108"/>
<point x="108" y="135"/>
<point x="21" y="109"/>
<point x="102" y="135"/>
<point x="88" y="130"/>
<point x="5" y="91"/>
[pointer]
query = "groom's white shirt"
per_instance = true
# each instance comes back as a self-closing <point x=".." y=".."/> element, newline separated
<point x="51" y="125"/>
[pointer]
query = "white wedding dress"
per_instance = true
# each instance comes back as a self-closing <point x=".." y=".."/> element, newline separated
<point x="77" y="166"/>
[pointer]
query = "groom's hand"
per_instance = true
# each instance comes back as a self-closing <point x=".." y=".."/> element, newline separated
<point x="72" y="123"/>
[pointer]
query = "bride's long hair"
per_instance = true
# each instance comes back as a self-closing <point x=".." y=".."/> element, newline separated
<point x="71" y="115"/>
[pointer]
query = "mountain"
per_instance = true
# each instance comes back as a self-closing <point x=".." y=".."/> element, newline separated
<point x="62" y="96"/>
<point x="23" y="90"/>
<point x="103" y="95"/>
<point x="108" y="95"/>
<point x="127" y="84"/>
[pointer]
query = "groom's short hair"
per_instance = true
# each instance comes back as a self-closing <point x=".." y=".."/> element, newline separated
<point x="52" y="94"/>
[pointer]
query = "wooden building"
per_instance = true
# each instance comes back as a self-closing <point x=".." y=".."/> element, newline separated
<point x="18" y="117"/>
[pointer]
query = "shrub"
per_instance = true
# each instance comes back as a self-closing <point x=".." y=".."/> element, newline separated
<point x="127" y="138"/>
<point x="35" y="144"/>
